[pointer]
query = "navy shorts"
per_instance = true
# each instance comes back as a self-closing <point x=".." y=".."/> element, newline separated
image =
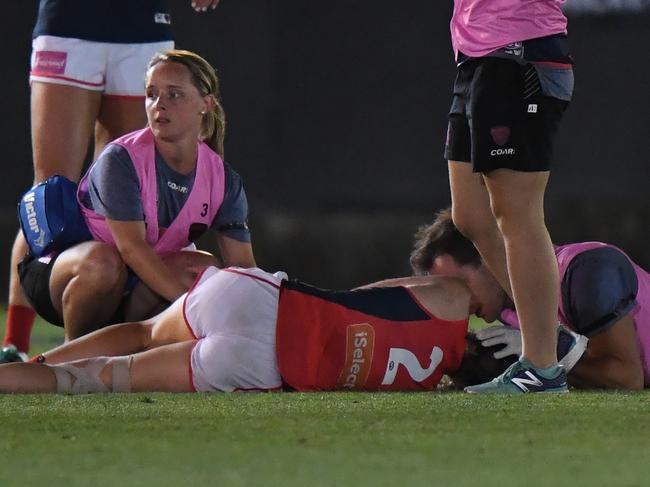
<point x="505" y="114"/>
<point x="599" y="288"/>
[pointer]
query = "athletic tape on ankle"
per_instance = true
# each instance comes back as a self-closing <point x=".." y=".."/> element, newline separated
<point x="72" y="379"/>
<point x="63" y="379"/>
<point x="122" y="373"/>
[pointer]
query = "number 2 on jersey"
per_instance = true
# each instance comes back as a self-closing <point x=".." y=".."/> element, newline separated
<point x="405" y="357"/>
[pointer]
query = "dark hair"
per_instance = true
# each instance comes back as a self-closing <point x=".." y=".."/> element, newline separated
<point x="438" y="238"/>
<point x="204" y="77"/>
<point x="478" y="364"/>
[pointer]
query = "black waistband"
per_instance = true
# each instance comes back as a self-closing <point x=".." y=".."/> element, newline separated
<point x="553" y="48"/>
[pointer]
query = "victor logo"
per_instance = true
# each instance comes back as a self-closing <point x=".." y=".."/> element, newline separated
<point x="28" y="199"/>
<point x="360" y="345"/>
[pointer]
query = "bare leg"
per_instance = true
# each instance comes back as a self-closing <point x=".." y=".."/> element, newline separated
<point x="164" y="369"/>
<point x="86" y="286"/>
<point x="63" y="119"/>
<point x="112" y="341"/>
<point x="18" y="252"/>
<point x="118" y="116"/>
<point x="472" y="215"/>
<point x="24" y="378"/>
<point x="126" y="338"/>
<point x="505" y="220"/>
<point x="518" y="205"/>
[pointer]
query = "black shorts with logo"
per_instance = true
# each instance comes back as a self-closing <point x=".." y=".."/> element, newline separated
<point x="35" y="281"/>
<point x="505" y="114"/>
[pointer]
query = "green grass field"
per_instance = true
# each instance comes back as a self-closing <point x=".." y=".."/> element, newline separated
<point x="334" y="439"/>
<point x="44" y="335"/>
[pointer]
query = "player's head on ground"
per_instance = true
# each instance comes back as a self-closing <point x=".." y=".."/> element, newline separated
<point x="440" y="249"/>
<point x="202" y="102"/>
<point x="478" y="364"/>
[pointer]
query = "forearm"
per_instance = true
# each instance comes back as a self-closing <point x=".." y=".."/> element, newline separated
<point x="152" y="271"/>
<point x="236" y="253"/>
<point x="399" y="281"/>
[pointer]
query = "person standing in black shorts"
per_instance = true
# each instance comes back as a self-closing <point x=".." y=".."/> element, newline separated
<point x="514" y="81"/>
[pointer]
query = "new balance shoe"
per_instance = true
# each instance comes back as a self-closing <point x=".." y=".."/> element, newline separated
<point x="523" y="377"/>
<point x="10" y="354"/>
<point x="570" y="347"/>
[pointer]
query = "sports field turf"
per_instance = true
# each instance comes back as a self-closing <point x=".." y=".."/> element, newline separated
<point x="335" y="439"/>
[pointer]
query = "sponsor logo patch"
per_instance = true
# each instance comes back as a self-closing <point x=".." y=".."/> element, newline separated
<point x="177" y="187"/>
<point x="162" y="18"/>
<point x="52" y="62"/>
<point x="523" y="383"/>
<point x="31" y="212"/>
<point x="360" y="345"/>
<point x="502" y="152"/>
<point x="40" y="241"/>
<point x="514" y="49"/>
<point x="500" y="135"/>
<point x="532" y="108"/>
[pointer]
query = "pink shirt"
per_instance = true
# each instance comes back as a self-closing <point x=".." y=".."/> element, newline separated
<point x="640" y="313"/>
<point x="201" y="207"/>
<point x="479" y="27"/>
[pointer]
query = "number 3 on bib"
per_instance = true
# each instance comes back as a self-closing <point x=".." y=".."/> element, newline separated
<point x="408" y="359"/>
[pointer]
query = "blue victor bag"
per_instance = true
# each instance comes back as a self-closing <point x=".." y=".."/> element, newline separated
<point x="50" y="216"/>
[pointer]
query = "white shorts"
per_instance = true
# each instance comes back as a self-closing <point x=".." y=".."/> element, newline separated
<point x="114" y="69"/>
<point x="232" y="312"/>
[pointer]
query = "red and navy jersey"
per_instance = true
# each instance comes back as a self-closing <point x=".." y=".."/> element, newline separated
<point x="114" y="21"/>
<point x="378" y="339"/>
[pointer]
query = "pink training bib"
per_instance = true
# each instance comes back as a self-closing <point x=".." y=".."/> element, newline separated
<point x="479" y="27"/>
<point x="201" y="207"/>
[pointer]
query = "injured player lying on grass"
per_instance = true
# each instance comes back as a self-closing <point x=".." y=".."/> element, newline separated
<point x="249" y="330"/>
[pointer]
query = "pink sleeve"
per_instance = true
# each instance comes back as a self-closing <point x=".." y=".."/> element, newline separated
<point x="509" y="317"/>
